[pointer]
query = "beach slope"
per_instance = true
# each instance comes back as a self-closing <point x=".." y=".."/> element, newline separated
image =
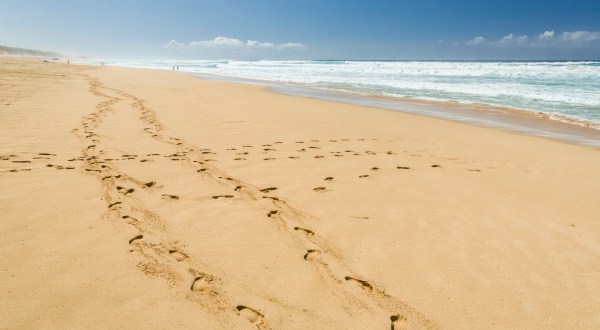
<point x="135" y="198"/>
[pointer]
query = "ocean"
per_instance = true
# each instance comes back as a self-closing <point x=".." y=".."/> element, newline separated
<point x="567" y="91"/>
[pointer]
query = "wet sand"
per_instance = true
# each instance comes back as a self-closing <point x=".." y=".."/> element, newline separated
<point x="147" y="199"/>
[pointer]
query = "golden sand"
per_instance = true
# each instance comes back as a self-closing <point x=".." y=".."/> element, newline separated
<point x="153" y="199"/>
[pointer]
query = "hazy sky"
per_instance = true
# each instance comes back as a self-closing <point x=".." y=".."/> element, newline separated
<point x="307" y="29"/>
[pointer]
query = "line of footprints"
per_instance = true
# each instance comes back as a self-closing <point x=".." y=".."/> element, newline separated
<point x="202" y="281"/>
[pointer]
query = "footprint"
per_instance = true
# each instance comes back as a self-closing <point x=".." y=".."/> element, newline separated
<point x="169" y="197"/>
<point x="270" y="197"/>
<point x="222" y="196"/>
<point x="403" y="167"/>
<point x="374" y="168"/>
<point x="125" y="191"/>
<point x="266" y="190"/>
<point x="320" y="189"/>
<point x="269" y="149"/>
<point x="201" y="283"/>
<point x="21" y="161"/>
<point x="363" y="176"/>
<point x="364" y="284"/>
<point x="252" y="315"/>
<point x="149" y="184"/>
<point x="239" y="158"/>
<point x="329" y="178"/>
<point x="272" y="213"/>
<point x="46" y="154"/>
<point x="113" y="204"/>
<point x="436" y="165"/>
<point x="399" y="322"/>
<point x="391" y="153"/>
<point x="319" y="156"/>
<point x="237" y="188"/>
<point x="293" y="157"/>
<point x="136" y="239"/>
<point x="473" y="170"/>
<point x="130" y="220"/>
<point x="201" y="170"/>
<point x="368" y="152"/>
<point x="314" y="147"/>
<point x="179" y="256"/>
<point x="307" y="231"/>
<point x="269" y="158"/>
<point x="311" y="254"/>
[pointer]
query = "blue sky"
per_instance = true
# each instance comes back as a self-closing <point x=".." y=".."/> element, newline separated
<point x="307" y="29"/>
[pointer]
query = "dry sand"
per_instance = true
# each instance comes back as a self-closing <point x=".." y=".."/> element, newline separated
<point x="152" y="199"/>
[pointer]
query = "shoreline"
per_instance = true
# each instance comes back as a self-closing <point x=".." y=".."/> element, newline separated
<point x="521" y="122"/>
<point x="164" y="200"/>
<point x="516" y="120"/>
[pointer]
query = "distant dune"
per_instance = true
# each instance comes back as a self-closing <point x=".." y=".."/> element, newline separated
<point x="5" y="50"/>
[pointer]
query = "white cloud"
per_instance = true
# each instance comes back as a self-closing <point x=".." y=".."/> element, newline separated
<point x="548" y="39"/>
<point x="291" y="45"/>
<point x="476" y="41"/>
<point x="219" y="42"/>
<point x="174" y="44"/>
<point x="546" y="35"/>
<point x="580" y="36"/>
<point x="232" y="43"/>
<point x="511" y="40"/>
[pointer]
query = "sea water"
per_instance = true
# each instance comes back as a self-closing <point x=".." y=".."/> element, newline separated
<point x="562" y="90"/>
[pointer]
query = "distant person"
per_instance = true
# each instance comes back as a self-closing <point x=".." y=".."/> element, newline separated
<point x="178" y="68"/>
<point x="68" y="62"/>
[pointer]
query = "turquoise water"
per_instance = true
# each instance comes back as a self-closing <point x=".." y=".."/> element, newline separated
<point x="565" y="91"/>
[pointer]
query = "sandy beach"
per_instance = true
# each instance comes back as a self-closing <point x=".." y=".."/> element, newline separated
<point x="149" y="199"/>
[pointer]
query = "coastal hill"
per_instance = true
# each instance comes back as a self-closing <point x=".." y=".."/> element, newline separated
<point x="5" y="50"/>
